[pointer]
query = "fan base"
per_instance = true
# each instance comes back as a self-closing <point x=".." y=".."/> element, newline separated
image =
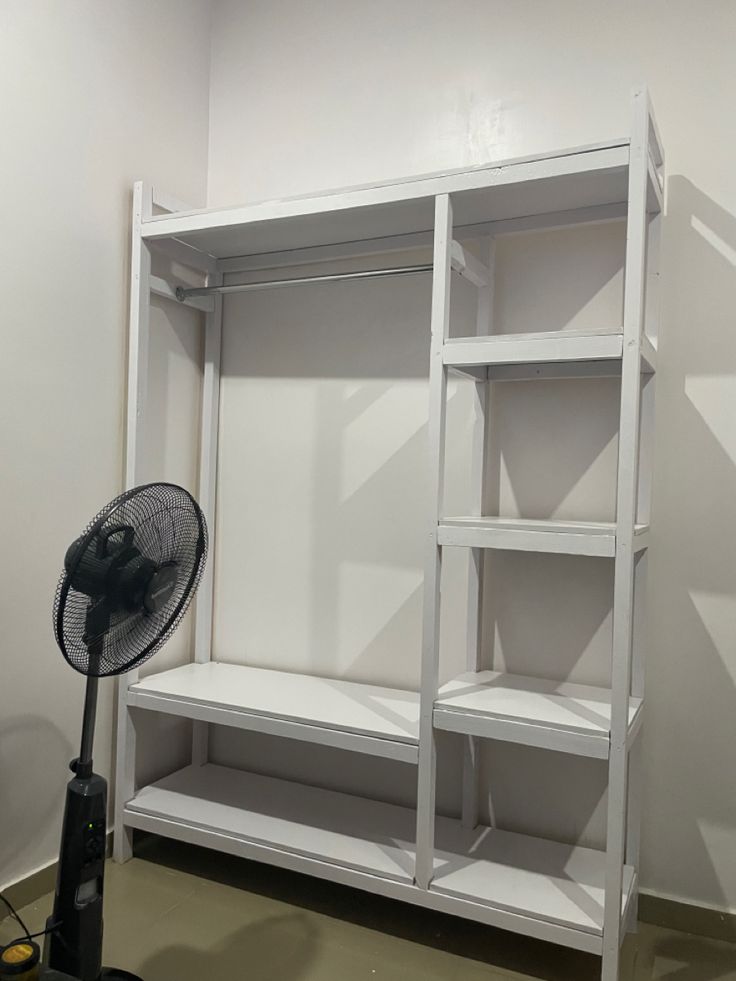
<point x="115" y="974"/>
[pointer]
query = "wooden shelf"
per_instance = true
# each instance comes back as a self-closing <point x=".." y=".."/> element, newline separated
<point x="538" y="887"/>
<point x="524" y="534"/>
<point x="365" y="718"/>
<point x="543" y="346"/>
<point x="532" y="711"/>
<point x="545" y="354"/>
<point x="580" y="178"/>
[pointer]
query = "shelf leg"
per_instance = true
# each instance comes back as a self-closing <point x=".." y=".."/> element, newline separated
<point x="138" y="338"/>
<point x="427" y="770"/>
<point x="626" y="513"/>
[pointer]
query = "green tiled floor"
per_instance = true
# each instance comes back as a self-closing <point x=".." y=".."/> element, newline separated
<point x="180" y="914"/>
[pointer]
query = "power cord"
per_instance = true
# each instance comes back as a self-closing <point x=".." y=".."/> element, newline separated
<point x="16" y="916"/>
<point x="27" y="933"/>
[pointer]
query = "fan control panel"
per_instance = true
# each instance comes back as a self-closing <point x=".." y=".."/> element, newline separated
<point x="93" y="840"/>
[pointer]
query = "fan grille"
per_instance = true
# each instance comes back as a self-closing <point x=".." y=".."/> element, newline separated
<point x="169" y="527"/>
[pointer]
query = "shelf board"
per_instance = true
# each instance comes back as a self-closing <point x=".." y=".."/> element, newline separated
<point x="544" y="354"/>
<point x="365" y="718"/>
<point x="540" y="347"/>
<point x="579" y="178"/>
<point x="528" y="535"/>
<point x="535" y="886"/>
<point x="554" y="715"/>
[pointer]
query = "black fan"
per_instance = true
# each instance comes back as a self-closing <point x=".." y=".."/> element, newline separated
<point x="127" y="582"/>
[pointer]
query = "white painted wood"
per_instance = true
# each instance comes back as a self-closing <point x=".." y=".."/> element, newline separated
<point x="215" y="714"/>
<point x="655" y="193"/>
<point x="562" y="883"/>
<point x="598" y="214"/>
<point x="532" y="711"/>
<point x="626" y="504"/>
<point x="545" y="346"/>
<point x="168" y="202"/>
<point x="208" y="468"/>
<point x="654" y="139"/>
<point x="639" y="644"/>
<point x="629" y="919"/>
<point x="409" y="893"/>
<point x="472" y="373"/>
<point x="556" y="899"/>
<point x="648" y="356"/>
<point x="530" y="885"/>
<point x="649" y="337"/>
<point x="330" y="707"/>
<point x="551" y="220"/>
<point x="208" y="442"/>
<point x="508" y="190"/>
<point x="185" y="255"/>
<point x="440" y="326"/>
<point x="160" y="287"/>
<point x="476" y="557"/>
<point x="524" y="534"/>
<point x="653" y="304"/>
<point x="138" y="339"/>
<point x="554" y="370"/>
<point x="587" y="148"/>
<point x="315" y="254"/>
<point x="350" y="831"/>
<point x="466" y="265"/>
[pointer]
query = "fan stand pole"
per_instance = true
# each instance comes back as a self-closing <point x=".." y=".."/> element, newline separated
<point x="84" y="763"/>
<point x="98" y="621"/>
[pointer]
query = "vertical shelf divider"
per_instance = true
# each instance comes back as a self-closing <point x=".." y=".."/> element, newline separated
<point x="209" y="429"/>
<point x="427" y="775"/>
<point x="477" y="556"/>
<point x="627" y="498"/>
<point x="138" y="344"/>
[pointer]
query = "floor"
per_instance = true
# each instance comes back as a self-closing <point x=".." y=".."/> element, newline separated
<point x="176" y="913"/>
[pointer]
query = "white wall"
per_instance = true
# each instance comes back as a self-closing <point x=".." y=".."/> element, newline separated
<point x="95" y="95"/>
<point x="308" y="96"/>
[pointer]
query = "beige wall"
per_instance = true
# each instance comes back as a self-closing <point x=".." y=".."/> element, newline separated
<point x="323" y="410"/>
<point x="94" y="96"/>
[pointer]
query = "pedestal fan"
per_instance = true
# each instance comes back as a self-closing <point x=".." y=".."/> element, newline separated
<point x="127" y="582"/>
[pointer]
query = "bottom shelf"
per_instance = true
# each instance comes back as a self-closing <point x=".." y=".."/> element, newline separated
<point x="516" y="882"/>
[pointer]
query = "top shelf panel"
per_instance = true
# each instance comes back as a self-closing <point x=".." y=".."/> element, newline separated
<point x="570" y="180"/>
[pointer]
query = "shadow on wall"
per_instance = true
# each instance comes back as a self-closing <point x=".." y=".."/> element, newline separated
<point x="25" y="742"/>
<point x="690" y="733"/>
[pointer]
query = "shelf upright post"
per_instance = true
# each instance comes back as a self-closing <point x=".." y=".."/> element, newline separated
<point x="138" y="342"/>
<point x="209" y="429"/>
<point x="476" y="559"/>
<point x="427" y="774"/>
<point x="652" y="308"/>
<point x="626" y="514"/>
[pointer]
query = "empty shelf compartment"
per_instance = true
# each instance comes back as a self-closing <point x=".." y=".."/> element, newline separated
<point x="532" y="535"/>
<point x="347" y="715"/>
<point x="554" y="715"/>
<point x="497" y="877"/>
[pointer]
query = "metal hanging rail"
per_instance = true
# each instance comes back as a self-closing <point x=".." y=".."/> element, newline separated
<point x="183" y="293"/>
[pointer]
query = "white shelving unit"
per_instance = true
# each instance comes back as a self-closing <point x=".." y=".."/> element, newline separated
<point x="567" y="894"/>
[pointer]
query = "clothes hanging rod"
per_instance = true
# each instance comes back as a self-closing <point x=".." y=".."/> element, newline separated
<point x="183" y="293"/>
